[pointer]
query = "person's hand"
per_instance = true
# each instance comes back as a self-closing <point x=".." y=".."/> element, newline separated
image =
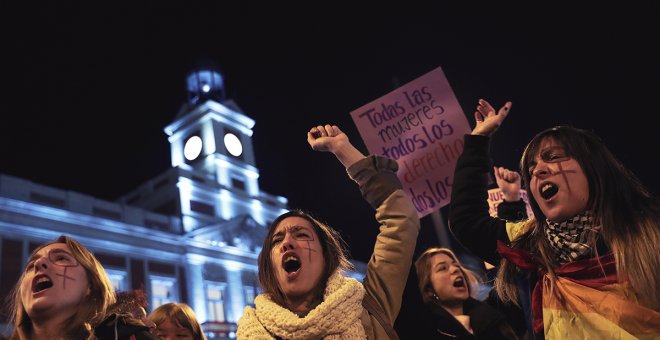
<point x="326" y="138"/>
<point x="330" y="138"/>
<point x="509" y="182"/>
<point x="487" y="120"/>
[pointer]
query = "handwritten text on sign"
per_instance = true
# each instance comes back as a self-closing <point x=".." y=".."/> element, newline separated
<point x="421" y="125"/>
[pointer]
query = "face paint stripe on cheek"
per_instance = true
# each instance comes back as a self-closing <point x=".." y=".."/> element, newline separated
<point x="309" y="252"/>
<point x="536" y="182"/>
<point x="309" y="247"/>
<point x="563" y="175"/>
<point x="64" y="277"/>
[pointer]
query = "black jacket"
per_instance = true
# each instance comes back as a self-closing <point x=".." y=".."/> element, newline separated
<point x="476" y="230"/>
<point x="485" y="321"/>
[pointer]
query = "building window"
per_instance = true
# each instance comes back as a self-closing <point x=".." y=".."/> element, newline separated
<point x="45" y="199"/>
<point x="250" y="292"/>
<point x="106" y="213"/>
<point x="250" y="287"/>
<point x="155" y="224"/>
<point x="215" y="294"/>
<point x="238" y="183"/>
<point x="117" y="279"/>
<point x="163" y="290"/>
<point x="198" y="179"/>
<point x="203" y="208"/>
<point x="168" y="208"/>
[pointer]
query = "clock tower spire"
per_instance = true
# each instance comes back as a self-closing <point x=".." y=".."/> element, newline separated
<point x="214" y="177"/>
<point x="211" y="133"/>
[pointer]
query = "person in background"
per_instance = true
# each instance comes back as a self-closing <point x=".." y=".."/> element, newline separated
<point x="448" y="289"/>
<point x="64" y="293"/>
<point x="512" y="209"/>
<point x="134" y="302"/>
<point x="590" y="251"/>
<point x="301" y="262"/>
<point x="176" y="321"/>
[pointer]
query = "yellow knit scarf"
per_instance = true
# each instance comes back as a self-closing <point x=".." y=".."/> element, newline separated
<point x="337" y="317"/>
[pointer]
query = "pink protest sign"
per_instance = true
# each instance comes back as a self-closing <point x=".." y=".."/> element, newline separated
<point x="495" y="197"/>
<point x="421" y="125"/>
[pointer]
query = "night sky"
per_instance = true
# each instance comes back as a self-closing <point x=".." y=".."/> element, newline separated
<point x="86" y="91"/>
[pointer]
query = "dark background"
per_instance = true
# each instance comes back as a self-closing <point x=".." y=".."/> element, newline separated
<point x="87" y="90"/>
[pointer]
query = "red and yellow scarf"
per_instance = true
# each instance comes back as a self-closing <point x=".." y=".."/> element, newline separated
<point x="587" y="301"/>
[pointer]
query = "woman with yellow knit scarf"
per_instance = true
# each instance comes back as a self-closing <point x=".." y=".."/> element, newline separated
<point x="302" y="260"/>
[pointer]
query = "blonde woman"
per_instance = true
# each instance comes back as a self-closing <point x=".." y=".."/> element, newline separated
<point x="64" y="293"/>
<point x="448" y="289"/>
<point x="176" y="321"/>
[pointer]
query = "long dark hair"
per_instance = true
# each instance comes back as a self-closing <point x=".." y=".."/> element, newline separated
<point x="335" y="255"/>
<point x="625" y="209"/>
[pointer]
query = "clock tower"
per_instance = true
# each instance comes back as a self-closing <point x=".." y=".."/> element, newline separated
<point x="214" y="178"/>
<point x="212" y="197"/>
<point x="211" y="145"/>
<point x="211" y="136"/>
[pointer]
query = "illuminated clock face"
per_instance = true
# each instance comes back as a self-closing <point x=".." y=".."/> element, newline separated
<point x="193" y="148"/>
<point x="233" y="144"/>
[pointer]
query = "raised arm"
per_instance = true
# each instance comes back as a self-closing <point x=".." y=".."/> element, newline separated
<point x="469" y="220"/>
<point x="509" y="182"/>
<point x="487" y="120"/>
<point x="331" y="139"/>
<point x="513" y="207"/>
<point x="388" y="268"/>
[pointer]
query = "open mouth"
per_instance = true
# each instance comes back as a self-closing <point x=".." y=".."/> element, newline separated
<point x="40" y="283"/>
<point x="291" y="264"/>
<point x="459" y="282"/>
<point x="548" y="190"/>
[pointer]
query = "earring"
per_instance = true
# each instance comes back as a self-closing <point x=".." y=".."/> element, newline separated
<point x="436" y="297"/>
